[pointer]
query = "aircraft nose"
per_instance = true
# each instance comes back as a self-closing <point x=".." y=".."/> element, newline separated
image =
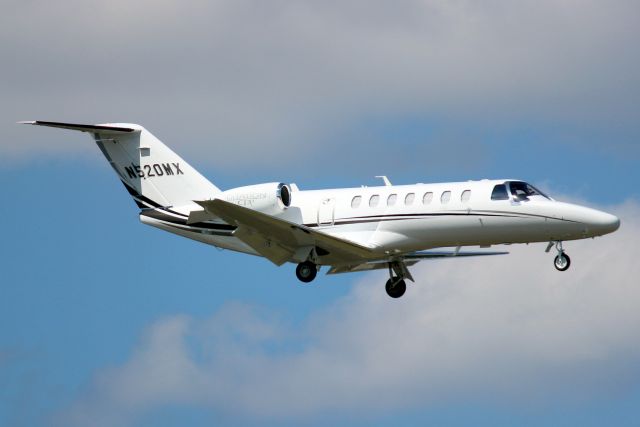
<point x="602" y="222"/>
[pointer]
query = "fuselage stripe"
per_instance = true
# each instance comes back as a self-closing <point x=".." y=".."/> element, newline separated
<point x="399" y="217"/>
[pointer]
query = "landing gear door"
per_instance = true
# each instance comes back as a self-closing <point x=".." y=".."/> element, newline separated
<point x="326" y="212"/>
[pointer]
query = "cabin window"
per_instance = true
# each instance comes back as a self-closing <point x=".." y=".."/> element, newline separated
<point x="408" y="200"/>
<point x="466" y="195"/>
<point x="373" y="201"/>
<point x="391" y="200"/>
<point x="445" y="197"/>
<point x="427" y="198"/>
<point x="355" y="202"/>
<point x="500" y="192"/>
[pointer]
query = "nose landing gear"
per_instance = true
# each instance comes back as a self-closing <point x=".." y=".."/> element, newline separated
<point x="562" y="260"/>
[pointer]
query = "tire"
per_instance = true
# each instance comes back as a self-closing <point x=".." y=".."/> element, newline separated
<point x="562" y="262"/>
<point x="306" y="271"/>
<point x="395" y="288"/>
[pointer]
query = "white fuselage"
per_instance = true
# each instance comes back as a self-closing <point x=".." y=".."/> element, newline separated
<point x="407" y="218"/>
<point x="349" y="229"/>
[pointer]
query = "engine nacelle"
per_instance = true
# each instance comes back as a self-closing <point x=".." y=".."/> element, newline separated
<point x="270" y="198"/>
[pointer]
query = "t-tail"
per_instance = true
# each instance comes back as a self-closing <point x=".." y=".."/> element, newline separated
<point x="152" y="173"/>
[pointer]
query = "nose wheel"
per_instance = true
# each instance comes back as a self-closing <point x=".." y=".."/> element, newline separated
<point x="562" y="260"/>
<point x="306" y="271"/>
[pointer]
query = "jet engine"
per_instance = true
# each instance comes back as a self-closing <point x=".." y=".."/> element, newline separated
<point x="270" y="198"/>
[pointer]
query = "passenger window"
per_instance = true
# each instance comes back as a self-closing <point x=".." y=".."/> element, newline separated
<point x="466" y="195"/>
<point x="446" y="196"/>
<point x="408" y="200"/>
<point x="355" y="202"/>
<point x="500" y="192"/>
<point x="427" y="198"/>
<point x="373" y="201"/>
<point x="391" y="200"/>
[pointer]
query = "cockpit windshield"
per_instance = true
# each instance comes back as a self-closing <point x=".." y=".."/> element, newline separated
<point x="522" y="190"/>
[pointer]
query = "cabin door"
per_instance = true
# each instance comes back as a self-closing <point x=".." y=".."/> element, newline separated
<point x="326" y="211"/>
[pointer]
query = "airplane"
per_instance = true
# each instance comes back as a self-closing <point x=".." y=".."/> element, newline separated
<point x="347" y="229"/>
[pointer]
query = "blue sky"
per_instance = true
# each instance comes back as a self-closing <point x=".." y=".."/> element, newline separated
<point x="107" y="321"/>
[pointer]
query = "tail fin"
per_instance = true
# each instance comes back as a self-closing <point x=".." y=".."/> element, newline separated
<point x="153" y="174"/>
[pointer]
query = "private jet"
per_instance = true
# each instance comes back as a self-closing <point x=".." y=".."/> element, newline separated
<point x="347" y="229"/>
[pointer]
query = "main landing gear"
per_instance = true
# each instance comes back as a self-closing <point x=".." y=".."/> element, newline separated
<point x="306" y="271"/>
<point x="396" y="286"/>
<point x="562" y="260"/>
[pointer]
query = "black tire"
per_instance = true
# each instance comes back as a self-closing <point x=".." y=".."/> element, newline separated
<point x="395" y="287"/>
<point x="306" y="271"/>
<point x="562" y="262"/>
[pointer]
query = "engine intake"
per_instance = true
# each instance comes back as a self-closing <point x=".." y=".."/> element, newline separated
<point x="270" y="198"/>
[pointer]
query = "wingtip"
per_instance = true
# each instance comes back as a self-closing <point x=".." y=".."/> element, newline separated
<point x="27" y="122"/>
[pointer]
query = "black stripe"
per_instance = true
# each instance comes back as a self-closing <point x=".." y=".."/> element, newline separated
<point x="524" y="214"/>
<point x="459" y="213"/>
<point x="399" y="217"/>
<point x="140" y="204"/>
<point x="200" y="230"/>
<point x="139" y="199"/>
<point x="161" y="216"/>
<point x="134" y="193"/>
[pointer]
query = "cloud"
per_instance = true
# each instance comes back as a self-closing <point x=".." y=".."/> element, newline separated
<point x="503" y="329"/>
<point x="224" y="78"/>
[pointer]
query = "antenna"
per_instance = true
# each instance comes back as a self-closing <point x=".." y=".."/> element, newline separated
<point x="385" y="179"/>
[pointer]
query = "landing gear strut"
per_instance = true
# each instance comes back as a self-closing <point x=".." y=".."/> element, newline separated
<point x="306" y="271"/>
<point x="562" y="260"/>
<point x="396" y="286"/>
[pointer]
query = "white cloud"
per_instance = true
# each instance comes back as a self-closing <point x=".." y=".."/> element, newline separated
<point x="504" y="328"/>
<point x="282" y="78"/>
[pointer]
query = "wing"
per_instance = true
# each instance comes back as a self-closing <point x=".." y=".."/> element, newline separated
<point x="408" y="259"/>
<point x="448" y="254"/>
<point x="279" y="240"/>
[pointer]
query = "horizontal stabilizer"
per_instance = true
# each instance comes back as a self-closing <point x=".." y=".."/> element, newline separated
<point x="108" y="128"/>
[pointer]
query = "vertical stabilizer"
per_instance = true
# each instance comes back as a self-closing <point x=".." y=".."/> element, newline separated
<point x="153" y="174"/>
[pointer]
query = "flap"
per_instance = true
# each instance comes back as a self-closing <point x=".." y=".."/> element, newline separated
<point x="368" y="266"/>
<point x="279" y="235"/>
<point x="447" y="254"/>
<point x="408" y="260"/>
<point x="200" y="216"/>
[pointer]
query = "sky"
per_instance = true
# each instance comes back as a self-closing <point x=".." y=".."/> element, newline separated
<point x="105" y="321"/>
